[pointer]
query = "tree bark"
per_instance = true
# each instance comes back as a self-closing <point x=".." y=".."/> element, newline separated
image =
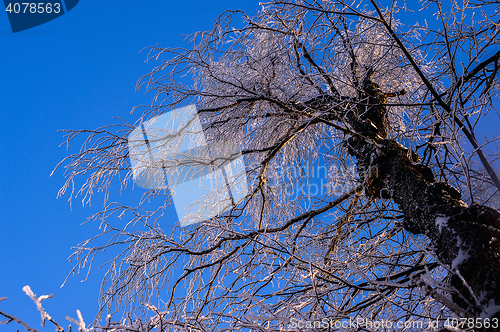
<point x="464" y="238"/>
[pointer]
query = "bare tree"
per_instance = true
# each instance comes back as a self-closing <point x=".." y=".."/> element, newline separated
<point x="402" y="226"/>
<point x="127" y="324"/>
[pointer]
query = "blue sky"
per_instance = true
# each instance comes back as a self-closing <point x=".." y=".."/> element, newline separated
<point x="75" y="72"/>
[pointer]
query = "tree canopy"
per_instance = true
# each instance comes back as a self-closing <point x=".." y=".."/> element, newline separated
<point x="371" y="193"/>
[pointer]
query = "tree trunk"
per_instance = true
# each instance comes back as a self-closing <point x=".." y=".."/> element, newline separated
<point x="464" y="238"/>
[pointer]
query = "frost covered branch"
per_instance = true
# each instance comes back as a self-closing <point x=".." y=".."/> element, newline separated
<point x="368" y="181"/>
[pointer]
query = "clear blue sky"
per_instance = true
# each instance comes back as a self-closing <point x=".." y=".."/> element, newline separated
<point x="75" y="72"/>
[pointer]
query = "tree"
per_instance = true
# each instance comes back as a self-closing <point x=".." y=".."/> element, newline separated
<point x="405" y="228"/>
